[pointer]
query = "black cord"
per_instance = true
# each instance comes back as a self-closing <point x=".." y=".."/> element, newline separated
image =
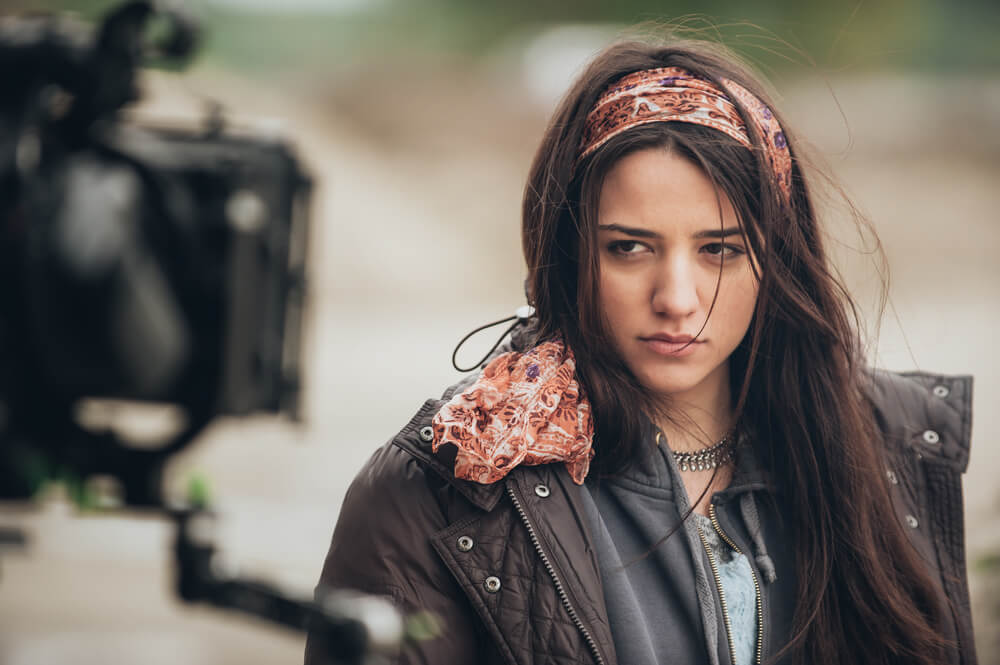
<point x="523" y="314"/>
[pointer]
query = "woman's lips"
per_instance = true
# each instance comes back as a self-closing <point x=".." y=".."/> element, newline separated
<point x="667" y="347"/>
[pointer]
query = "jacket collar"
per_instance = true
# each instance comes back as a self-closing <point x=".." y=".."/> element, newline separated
<point x="749" y="475"/>
<point x="415" y="439"/>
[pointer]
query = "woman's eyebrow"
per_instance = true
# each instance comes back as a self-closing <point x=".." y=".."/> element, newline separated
<point x="646" y="233"/>
<point x="629" y="230"/>
<point x="718" y="233"/>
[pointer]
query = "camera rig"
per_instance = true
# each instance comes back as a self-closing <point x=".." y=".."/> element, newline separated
<point x="146" y="264"/>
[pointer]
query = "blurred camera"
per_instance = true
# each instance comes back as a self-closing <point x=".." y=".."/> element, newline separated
<point x="137" y="263"/>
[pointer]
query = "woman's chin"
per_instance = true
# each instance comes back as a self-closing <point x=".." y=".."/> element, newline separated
<point x="677" y="381"/>
<point x="674" y="385"/>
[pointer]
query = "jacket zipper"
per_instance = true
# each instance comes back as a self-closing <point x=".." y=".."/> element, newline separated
<point x="563" y="598"/>
<point x="718" y="582"/>
<point x="722" y="596"/>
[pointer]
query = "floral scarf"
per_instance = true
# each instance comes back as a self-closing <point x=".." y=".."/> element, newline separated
<point x="525" y="408"/>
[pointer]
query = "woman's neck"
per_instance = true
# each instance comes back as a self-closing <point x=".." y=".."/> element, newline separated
<point x="699" y="417"/>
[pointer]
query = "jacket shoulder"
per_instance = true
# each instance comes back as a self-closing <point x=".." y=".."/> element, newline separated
<point x="382" y="545"/>
<point x="401" y="495"/>
<point x="389" y="508"/>
<point x="930" y="414"/>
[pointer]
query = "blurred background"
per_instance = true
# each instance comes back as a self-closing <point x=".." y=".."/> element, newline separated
<point x="418" y="119"/>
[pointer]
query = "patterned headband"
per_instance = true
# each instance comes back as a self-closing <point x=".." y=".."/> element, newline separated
<point x="672" y="93"/>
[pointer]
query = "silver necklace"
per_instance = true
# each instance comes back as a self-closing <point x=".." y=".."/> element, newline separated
<point x="705" y="459"/>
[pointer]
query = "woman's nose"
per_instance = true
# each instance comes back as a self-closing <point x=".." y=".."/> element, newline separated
<point x="675" y="293"/>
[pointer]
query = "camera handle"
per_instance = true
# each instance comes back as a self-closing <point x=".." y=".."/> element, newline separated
<point x="355" y="628"/>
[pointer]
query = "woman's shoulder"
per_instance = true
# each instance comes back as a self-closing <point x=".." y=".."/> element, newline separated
<point x="399" y="492"/>
<point x="407" y="469"/>
<point x="405" y="464"/>
<point x="926" y="412"/>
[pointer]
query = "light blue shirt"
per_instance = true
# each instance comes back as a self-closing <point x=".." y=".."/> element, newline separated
<point x="741" y="594"/>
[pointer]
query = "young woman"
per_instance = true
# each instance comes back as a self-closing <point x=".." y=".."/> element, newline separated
<point x="680" y="457"/>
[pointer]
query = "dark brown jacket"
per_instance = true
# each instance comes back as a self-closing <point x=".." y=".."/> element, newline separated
<point x="509" y="569"/>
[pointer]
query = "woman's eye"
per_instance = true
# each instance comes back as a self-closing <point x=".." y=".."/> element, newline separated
<point x="723" y="249"/>
<point x="626" y="247"/>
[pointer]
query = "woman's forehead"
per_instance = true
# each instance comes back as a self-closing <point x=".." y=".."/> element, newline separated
<point x="664" y="191"/>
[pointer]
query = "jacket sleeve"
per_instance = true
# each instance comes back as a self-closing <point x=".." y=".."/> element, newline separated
<point x="381" y="545"/>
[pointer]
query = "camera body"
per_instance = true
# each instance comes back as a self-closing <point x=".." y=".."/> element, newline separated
<point x="137" y="263"/>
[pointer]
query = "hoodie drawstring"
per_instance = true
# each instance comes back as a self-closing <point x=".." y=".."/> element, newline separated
<point x="751" y="518"/>
<point x="522" y="314"/>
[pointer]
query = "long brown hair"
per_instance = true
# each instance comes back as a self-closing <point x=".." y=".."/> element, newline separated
<point x="864" y="595"/>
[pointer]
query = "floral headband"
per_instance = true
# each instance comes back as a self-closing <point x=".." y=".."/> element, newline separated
<point x="675" y="94"/>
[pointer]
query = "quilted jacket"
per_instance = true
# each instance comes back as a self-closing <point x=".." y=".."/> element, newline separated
<point x="509" y="569"/>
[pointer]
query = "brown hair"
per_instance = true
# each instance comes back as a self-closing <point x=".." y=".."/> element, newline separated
<point x="864" y="595"/>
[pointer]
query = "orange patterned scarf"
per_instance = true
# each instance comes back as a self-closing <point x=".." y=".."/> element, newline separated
<point x="675" y="94"/>
<point x="525" y="408"/>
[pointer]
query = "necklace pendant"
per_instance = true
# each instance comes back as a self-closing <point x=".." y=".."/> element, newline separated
<point x="706" y="459"/>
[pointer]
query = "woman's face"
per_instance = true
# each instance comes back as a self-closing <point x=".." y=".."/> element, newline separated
<point x="661" y="244"/>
